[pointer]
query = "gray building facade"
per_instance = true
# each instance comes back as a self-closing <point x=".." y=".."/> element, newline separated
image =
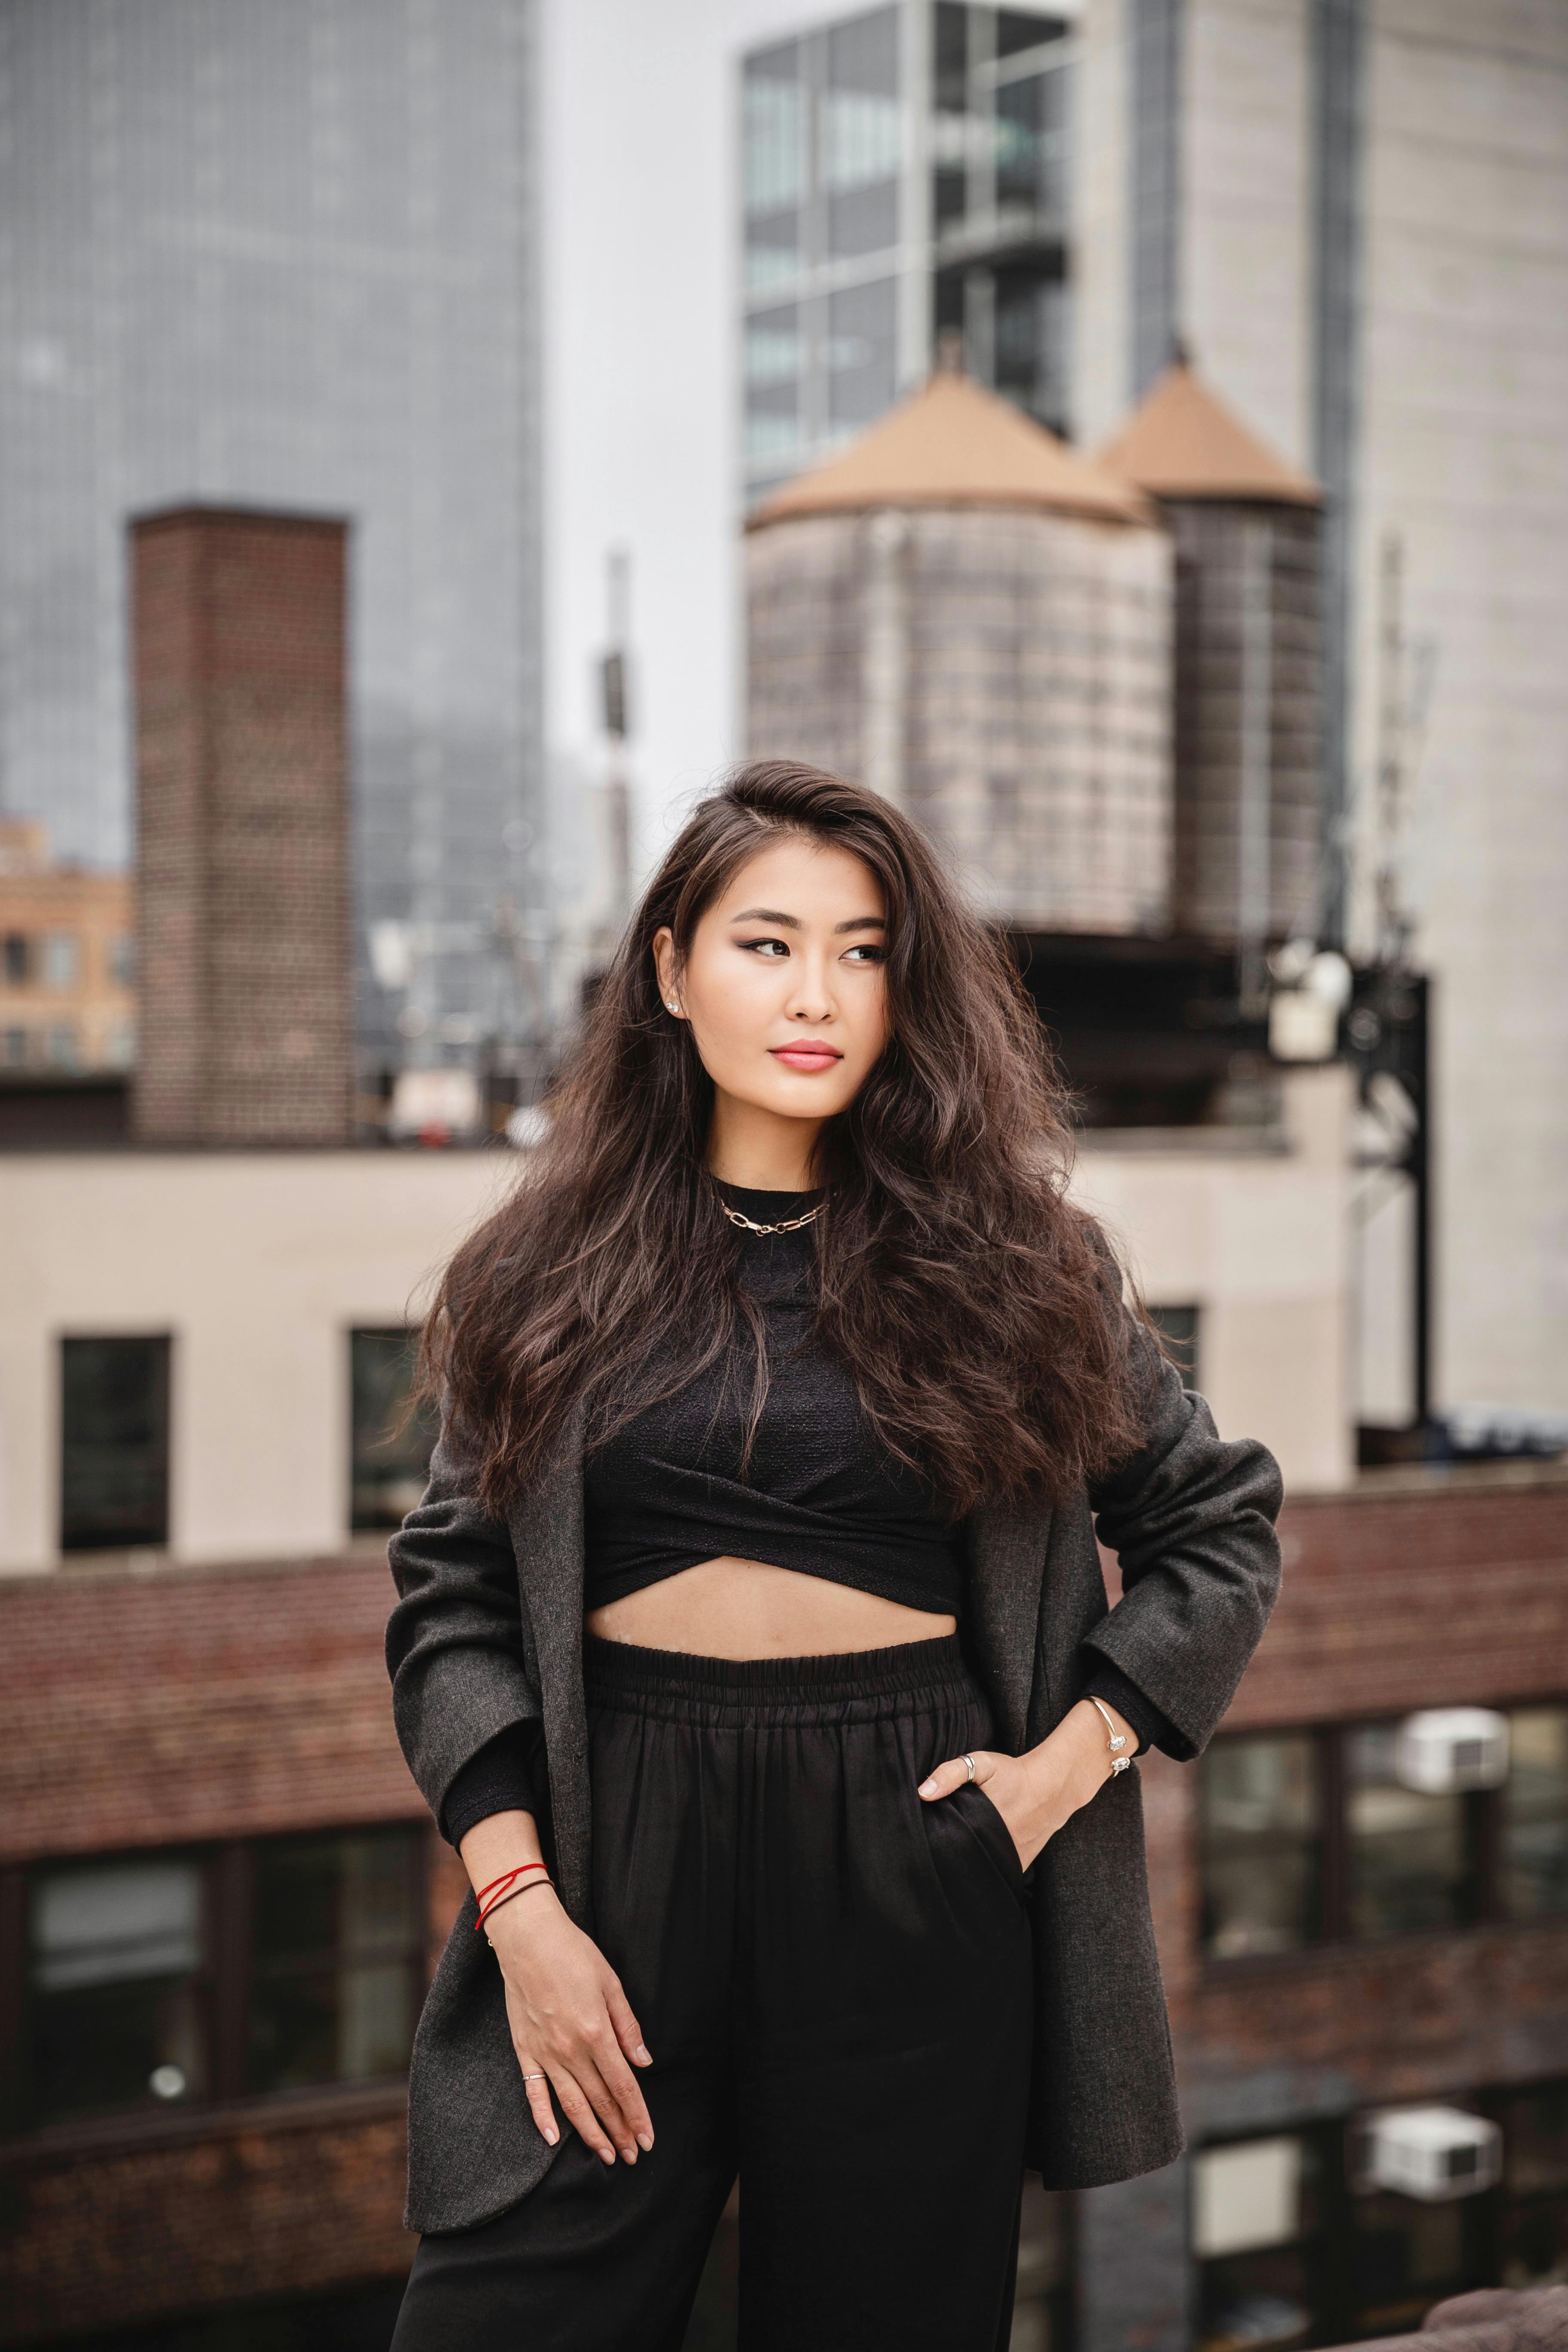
<point x="906" y="172"/>
<point x="283" y="253"/>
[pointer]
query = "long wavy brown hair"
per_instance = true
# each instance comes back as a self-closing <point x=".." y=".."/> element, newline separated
<point x="978" y="1309"/>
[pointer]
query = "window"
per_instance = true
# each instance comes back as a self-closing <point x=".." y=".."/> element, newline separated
<point x="118" y="1997"/>
<point x="1311" y="1835"/>
<point x="15" y="1044"/>
<point x="62" y="960"/>
<point x="1535" y="1813"/>
<point x="1258" y="2224"/>
<point x="15" y="959"/>
<point x="114" y="1443"/>
<point x="1178" y="1327"/>
<point x="1262" y="1845"/>
<point x="63" y="1048"/>
<point x="123" y="959"/>
<point x="1408" y="1852"/>
<point x="152" y="1980"/>
<point x="337" y="1960"/>
<point x="862" y="327"/>
<point x="391" y="1450"/>
<point x="1534" y="2219"/>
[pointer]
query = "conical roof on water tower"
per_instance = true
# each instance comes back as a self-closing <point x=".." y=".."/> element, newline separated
<point x="1248" y="699"/>
<point x="953" y="443"/>
<point x="1183" y="442"/>
<point x="965" y="615"/>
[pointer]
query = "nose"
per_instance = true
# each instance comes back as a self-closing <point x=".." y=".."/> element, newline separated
<point x="810" y="998"/>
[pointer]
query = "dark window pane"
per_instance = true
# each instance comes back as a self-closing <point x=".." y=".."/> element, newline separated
<point x="1261" y="1844"/>
<point x="337" y="1958"/>
<point x="116" y="2000"/>
<point x="1178" y="1327"/>
<point x="1405" y="2257"/>
<point x="1408" y="1851"/>
<point x="1535" y="2243"/>
<point x="391" y="1454"/>
<point x="1535" y="1813"/>
<point x="1016" y="29"/>
<point x="114" y="1453"/>
<point x="1535" y="2140"/>
<point x="15" y="957"/>
<point x="1263" y="2302"/>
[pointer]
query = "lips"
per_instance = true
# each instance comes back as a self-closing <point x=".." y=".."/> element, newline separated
<point x="810" y="1054"/>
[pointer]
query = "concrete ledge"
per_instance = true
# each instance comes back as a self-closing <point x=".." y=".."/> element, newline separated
<point x="1494" y="2319"/>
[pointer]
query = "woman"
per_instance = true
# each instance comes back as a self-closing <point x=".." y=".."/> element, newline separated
<point x="753" y="1646"/>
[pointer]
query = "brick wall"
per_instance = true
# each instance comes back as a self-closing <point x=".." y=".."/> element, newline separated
<point x="242" y="828"/>
<point x="294" y="2205"/>
<point x="196" y="1704"/>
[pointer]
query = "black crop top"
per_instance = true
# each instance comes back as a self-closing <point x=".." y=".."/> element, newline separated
<point x="820" y="1494"/>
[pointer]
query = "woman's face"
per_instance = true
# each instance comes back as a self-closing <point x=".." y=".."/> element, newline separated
<point x="785" y="986"/>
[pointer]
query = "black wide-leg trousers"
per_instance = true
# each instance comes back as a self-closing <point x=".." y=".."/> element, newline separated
<point x="834" y="1978"/>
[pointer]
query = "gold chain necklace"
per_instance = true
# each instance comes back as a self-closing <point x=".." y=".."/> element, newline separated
<point x="790" y="1224"/>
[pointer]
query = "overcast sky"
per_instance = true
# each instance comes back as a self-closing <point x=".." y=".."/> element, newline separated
<point x="640" y="428"/>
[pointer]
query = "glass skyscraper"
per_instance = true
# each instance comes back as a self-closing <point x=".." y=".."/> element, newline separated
<point x="905" y="172"/>
<point x="282" y="254"/>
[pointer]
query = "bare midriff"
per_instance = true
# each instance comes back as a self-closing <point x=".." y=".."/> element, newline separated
<point x="747" y="1608"/>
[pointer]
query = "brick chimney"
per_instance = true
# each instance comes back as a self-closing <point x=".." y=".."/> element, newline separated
<point x="243" y="873"/>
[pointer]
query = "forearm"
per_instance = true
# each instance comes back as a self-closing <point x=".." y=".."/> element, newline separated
<point x="502" y="1842"/>
<point x="1073" y="1762"/>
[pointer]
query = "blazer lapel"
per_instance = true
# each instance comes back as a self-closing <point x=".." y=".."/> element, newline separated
<point x="1007" y="1546"/>
<point x="547" y="1537"/>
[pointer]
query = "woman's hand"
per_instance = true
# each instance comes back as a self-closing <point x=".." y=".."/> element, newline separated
<point x="572" y="2026"/>
<point x="1037" y="1792"/>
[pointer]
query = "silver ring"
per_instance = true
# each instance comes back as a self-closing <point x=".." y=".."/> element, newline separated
<point x="535" y="2078"/>
<point x="970" y="1761"/>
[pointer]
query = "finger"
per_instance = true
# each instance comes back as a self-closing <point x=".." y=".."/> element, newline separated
<point x="623" y="2088"/>
<point x="536" y="2085"/>
<point x="949" y="1776"/>
<point x="579" y="2114"/>
<point x="606" y="2107"/>
<point x="628" y="2033"/>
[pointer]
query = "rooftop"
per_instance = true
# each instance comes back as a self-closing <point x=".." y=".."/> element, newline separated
<point x="953" y="443"/>
<point x="1183" y="442"/>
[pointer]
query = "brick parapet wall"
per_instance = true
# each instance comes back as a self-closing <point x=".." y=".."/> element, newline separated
<point x="292" y="2205"/>
<point x="196" y="1704"/>
<point x="239" y="658"/>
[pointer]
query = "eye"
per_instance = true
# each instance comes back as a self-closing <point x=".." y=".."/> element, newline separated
<point x="872" y="954"/>
<point x="757" y="947"/>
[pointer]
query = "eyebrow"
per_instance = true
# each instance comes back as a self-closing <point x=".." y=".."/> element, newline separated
<point x="792" y="922"/>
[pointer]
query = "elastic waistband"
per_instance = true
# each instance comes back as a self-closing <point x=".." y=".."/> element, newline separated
<point x="616" y="1672"/>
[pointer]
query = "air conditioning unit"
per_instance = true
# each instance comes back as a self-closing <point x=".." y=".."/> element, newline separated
<point x="1435" y="2154"/>
<point x="1447" y="1748"/>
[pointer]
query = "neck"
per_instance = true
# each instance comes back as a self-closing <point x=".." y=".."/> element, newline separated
<point x="758" y="1150"/>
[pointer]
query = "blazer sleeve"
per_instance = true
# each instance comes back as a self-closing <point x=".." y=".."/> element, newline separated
<point x="1191" y="1519"/>
<point x="453" y="1642"/>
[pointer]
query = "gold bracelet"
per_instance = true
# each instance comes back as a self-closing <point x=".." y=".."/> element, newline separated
<point x="1119" y="1763"/>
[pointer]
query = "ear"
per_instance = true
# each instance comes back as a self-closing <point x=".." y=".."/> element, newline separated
<point x="664" y="964"/>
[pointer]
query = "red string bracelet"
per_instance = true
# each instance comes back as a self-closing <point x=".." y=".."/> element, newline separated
<point x="526" y="1888"/>
<point x="505" y="1879"/>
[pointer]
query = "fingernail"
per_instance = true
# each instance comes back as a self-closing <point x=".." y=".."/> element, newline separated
<point x="928" y="1788"/>
<point x="644" y="2141"/>
<point x="608" y="2155"/>
<point x="550" y="2138"/>
<point x="630" y="2154"/>
<point x="643" y="2054"/>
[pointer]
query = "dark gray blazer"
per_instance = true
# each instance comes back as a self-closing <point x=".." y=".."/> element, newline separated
<point x="487" y="1631"/>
